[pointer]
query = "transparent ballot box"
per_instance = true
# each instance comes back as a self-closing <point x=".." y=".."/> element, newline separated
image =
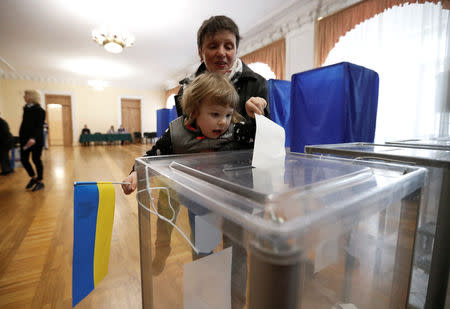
<point x="307" y="232"/>
<point x="430" y="275"/>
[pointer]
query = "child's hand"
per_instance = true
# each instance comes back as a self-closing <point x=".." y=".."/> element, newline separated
<point x="132" y="179"/>
<point x="255" y="105"/>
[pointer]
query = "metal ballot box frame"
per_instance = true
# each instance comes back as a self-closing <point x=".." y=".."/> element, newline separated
<point x="310" y="232"/>
<point x="432" y="250"/>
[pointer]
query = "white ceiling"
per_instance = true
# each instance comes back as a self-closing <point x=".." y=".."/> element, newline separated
<point x="51" y="39"/>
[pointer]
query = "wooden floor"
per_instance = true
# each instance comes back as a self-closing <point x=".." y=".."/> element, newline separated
<point x="36" y="231"/>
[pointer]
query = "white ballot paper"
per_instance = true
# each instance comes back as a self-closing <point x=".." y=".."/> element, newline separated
<point x="269" y="143"/>
<point x="207" y="236"/>
<point x="207" y="282"/>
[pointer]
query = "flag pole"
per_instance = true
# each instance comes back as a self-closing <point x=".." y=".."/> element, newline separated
<point x="94" y="183"/>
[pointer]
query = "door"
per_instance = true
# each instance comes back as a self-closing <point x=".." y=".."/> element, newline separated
<point x="59" y="119"/>
<point x="131" y="115"/>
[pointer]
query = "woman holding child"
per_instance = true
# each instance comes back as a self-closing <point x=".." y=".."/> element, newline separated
<point x="216" y="107"/>
<point x="217" y="42"/>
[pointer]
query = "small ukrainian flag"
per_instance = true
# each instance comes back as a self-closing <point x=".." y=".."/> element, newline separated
<point x="93" y="220"/>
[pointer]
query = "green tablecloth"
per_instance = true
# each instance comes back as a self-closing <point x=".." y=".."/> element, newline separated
<point x="98" y="137"/>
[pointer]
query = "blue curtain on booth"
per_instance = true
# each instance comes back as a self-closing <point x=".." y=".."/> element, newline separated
<point x="162" y="121"/>
<point x="333" y="104"/>
<point x="280" y="105"/>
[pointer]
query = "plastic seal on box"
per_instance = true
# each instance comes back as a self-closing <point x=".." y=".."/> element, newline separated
<point x="149" y="189"/>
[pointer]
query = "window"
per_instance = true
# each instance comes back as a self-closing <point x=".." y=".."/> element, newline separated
<point x="170" y="103"/>
<point x="408" y="47"/>
<point x="262" y="69"/>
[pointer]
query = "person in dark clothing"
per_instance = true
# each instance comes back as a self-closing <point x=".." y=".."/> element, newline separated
<point x="217" y="42"/>
<point x="6" y="143"/>
<point x="31" y="135"/>
<point x="85" y="130"/>
<point x="122" y="130"/>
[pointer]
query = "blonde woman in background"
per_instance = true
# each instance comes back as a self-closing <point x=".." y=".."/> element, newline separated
<point x="31" y="135"/>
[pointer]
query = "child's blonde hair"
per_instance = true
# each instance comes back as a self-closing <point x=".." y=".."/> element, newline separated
<point x="213" y="87"/>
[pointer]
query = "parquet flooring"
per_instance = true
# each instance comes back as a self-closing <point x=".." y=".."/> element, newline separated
<point x="36" y="231"/>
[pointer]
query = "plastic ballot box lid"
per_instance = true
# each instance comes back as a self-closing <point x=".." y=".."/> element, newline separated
<point x="285" y="207"/>
<point x="396" y="152"/>
<point x="442" y="143"/>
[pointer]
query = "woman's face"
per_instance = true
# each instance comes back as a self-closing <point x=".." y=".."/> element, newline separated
<point x="219" y="51"/>
<point x="26" y="98"/>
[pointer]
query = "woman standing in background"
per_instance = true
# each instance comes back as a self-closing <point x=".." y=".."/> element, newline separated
<point x="31" y="136"/>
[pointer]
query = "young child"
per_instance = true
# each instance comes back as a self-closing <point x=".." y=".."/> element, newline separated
<point x="212" y="124"/>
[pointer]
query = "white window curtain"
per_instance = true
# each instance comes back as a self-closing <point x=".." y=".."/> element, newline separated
<point x="170" y="102"/>
<point x="408" y="46"/>
<point x="262" y="69"/>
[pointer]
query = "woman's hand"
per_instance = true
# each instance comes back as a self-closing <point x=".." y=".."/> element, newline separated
<point x="132" y="179"/>
<point x="255" y="105"/>
<point x="29" y="143"/>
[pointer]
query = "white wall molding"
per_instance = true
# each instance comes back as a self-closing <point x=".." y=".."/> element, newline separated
<point x="19" y="76"/>
<point x="291" y="18"/>
<point x="61" y="80"/>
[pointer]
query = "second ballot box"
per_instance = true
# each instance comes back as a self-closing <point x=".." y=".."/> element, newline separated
<point x="430" y="272"/>
<point x="305" y="232"/>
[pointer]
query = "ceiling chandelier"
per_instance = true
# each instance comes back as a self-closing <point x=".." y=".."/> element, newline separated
<point x="113" y="41"/>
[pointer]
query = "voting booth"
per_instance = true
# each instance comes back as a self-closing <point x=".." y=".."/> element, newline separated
<point x="430" y="272"/>
<point x="310" y="233"/>
<point x="163" y="117"/>
<point x="333" y="104"/>
<point x="279" y="92"/>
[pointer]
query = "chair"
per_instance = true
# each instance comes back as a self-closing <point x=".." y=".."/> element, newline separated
<point x="98" y="138"/>
<point x="15" y="153"/>
<point x="137" y="137"/>
<point x="149" y="136"/>
<point x="146" y="137"/>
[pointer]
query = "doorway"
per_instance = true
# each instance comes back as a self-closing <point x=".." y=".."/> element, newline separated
<point x="59" y="119"/>
<point x="131" y="115"/>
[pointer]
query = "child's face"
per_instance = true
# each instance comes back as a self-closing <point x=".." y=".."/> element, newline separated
<point x="213" y="119"/>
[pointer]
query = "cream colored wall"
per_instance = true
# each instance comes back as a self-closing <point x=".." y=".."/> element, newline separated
<point x="98" y="109"/>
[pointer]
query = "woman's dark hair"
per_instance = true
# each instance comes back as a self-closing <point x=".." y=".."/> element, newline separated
<point x="215" y="24"/>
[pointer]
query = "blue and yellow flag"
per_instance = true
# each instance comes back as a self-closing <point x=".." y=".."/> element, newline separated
<point x="93" y="220"/>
